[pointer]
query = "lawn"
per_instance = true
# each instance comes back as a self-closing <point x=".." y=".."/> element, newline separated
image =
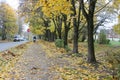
<point x="114" y="43"/>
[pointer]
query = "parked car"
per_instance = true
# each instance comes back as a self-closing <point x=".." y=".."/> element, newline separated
<point x="18" y="38"/>
<point x="22" y="39"/>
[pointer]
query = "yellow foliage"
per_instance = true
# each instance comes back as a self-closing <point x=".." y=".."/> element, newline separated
<point x="38" y="30"/>
<point x="117" y="28"/>
<point x="54" y="7"/>
<point x="51" y="28"/>
<point x="8" y="16"/>
<point x="116" y="3"/>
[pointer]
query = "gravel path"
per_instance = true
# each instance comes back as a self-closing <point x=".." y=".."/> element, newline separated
<point x="34" y="65"/>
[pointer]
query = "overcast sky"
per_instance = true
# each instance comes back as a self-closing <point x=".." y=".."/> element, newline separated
<point x="13" y="3"/>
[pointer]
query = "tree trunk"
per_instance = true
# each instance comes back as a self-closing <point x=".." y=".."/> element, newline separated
<point x="90" y="21"/>
<point x="67" y="28"/>
<point x="90" y="27"/>
<point x="55" y="35"/>
<point x="75" y="37"/>
<point x="4" y="33"/>
<point x="76" y="22"/>
<point x="49" y="35"/>
<point x="3" y="36"/>
<point x="52" y="37"/>
<point x="83" y="37"/>
<point x="59" y="32"/>
<point x="59" y="27"/>
<point x="46" y="36"/>
<point x="66" y="37"/>
<point x="46" y="24"/>
<point x="91" y="53"/>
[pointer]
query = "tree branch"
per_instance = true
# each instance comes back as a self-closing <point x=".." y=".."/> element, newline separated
<point x="103" y="7"/>
<point x="83" y="9"/>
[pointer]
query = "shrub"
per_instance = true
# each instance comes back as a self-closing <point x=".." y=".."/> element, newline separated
<point x="59" y="43"/>
<point x="67" y="48"/>
<point x="102" y="38"/>
<point x="107" y="41"/>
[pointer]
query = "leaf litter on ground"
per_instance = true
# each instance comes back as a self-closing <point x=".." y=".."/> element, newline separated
<point x="67" y="66"/>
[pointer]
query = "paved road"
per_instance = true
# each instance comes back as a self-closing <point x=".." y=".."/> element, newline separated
<point x="8" y="45"/>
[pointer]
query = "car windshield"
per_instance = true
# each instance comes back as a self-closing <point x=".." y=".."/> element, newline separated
<point x="17" y="36"/>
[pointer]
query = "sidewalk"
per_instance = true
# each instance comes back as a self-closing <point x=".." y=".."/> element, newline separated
<point x="33" y="65"/>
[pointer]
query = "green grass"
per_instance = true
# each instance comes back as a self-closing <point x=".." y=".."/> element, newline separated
<point x="114" y="43"/>
<point x="104" y="47"/>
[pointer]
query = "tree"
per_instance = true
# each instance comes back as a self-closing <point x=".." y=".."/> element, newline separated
<point x="67" y="24"/>
<point x="58" y="12"/>
<point x="103" y="14"/>
<point x="24" y="12"/>
<point x="28" y="14"/>
<point x="90" y="27"/>
<point x="116" y="28"/>
<point x="8" y="18"/>
<point x="102" y="37"/>
<point x="116" y="4"/>
<point x="76" y="24"/>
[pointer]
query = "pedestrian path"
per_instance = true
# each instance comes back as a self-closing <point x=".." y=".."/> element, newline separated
<point x="33" y="65"/>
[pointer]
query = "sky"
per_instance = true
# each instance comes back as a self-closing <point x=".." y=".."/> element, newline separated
<point x="13" y="3"/>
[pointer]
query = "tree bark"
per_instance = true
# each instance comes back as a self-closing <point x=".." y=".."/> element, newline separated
<point x="91" y="53"/>
<point x="83" y="37"/>
<point x="59" y="32"/>
<point x="90" y="21"/>
<point x="59" y="27"/>
<point x="75" y="37"/>
<point x="90" y="27"/>
<point x="52" y="37"/>
<point x="76" y="27"/>
<point x="4" y="33"/>
<point x="67" y="28"/>
<point x="76" y="23"/>
<point x="46" y="24"/>
<point x="65" y="39"/>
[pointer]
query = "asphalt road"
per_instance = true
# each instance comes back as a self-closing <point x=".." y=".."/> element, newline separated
<point x="8" y="45"/>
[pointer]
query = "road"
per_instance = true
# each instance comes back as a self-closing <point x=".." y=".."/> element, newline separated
<point x="8" y="45"/>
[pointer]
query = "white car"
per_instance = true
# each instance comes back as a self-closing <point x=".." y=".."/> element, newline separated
<point x="18" y="38"/>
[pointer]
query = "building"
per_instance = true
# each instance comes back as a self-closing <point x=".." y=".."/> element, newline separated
<point x="112" y="35"/>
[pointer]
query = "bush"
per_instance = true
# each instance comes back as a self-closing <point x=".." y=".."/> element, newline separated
<point x="102" y="38"/>
<point x="107" y="41"/>
<point x="67" y="48"/>
<point x="59" y="43"/>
